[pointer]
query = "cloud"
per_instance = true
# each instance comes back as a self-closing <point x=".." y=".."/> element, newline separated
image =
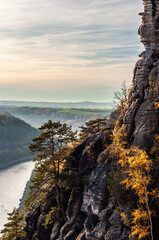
<point x="55" y="43"/>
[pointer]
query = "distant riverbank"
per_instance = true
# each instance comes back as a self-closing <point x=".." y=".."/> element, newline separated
<point x="12" y="185"/>
<point x="19" y="161"/>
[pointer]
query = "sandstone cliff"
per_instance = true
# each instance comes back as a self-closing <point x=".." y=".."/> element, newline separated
<point x="90" y="213"/>
<point x="140" y="118"/>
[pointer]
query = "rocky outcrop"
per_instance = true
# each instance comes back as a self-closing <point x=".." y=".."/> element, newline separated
<point x="85" y="157"/>
<point x="141" y="118"/>
<point x="91" y="214"/>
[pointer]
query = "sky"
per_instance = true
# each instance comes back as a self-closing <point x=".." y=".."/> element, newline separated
<point x="67" y="50"/>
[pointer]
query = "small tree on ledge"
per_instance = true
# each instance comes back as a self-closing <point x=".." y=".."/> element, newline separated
<point x="14" y="228"/>
<point x="94" y="126"/>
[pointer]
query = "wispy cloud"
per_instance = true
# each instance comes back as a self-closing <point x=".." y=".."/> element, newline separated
<point x="59" y="43"/>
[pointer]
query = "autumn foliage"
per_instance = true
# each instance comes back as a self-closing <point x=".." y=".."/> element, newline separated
<point x="136" y="167"/>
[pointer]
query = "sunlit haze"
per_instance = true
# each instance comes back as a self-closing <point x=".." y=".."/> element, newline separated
<point x="65" y="50"/>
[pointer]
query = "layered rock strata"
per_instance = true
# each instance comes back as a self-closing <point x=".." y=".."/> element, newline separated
<point x="141" y="118"/>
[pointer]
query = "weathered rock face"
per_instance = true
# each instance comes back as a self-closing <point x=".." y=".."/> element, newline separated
<point x="88" y="216"/>
<point x="141" y="118"/>
<point x="86" y="156"/>
<point x="90" y="213"/>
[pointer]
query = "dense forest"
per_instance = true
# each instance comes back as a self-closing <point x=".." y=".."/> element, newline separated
<point x="15" y="137"/>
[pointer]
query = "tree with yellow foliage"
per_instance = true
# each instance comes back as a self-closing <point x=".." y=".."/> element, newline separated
<point x="137" y="177"/>
<point x="119" y="142"/>
<point x="136" y="167"/>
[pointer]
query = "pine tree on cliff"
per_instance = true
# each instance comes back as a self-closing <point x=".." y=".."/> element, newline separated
<point x="14" y="228"/>
<point x="52" y="149"/>
<point x="94" y="126"/>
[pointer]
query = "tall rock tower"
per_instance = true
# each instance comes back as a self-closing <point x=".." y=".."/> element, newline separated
<point x="141" y="118"/>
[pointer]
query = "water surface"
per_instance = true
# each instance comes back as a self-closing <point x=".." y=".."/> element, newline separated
<point x="12" y="184"/>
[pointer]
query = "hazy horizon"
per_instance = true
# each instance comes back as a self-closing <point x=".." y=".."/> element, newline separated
<point x="36" y="101"/>
<point x="59" y="105"/>
<point x="67" y="50"/>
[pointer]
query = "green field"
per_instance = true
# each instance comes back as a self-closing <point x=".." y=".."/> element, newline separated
<point x="84" y="111"/>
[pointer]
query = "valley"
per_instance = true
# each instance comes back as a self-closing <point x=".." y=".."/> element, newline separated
<point x="36" y="116"/>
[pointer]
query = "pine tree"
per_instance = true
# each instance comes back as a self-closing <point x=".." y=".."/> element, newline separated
<point x="52" y="149"/>
<point x="94" y="126"/>
<point x="14" y="228"/>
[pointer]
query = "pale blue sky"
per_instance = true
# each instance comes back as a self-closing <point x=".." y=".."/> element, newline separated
<point x="65" y="50"/>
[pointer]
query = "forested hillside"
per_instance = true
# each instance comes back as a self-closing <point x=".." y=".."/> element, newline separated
<point x="15" y="135"/>
<point x="74" y="117"/>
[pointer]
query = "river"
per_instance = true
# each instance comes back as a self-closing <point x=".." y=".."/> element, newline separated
<point x="12" y="185"/>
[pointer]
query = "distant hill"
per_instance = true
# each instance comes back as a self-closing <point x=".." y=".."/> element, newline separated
<point x="15" y="135"/>
<point x="36" y="116"/>
<point x="85" y="104"/>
